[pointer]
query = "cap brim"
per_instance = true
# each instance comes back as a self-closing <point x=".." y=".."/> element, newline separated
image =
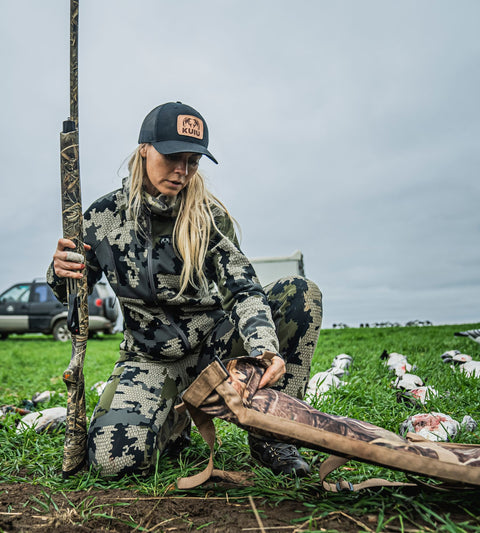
<point x="176" y="147"/>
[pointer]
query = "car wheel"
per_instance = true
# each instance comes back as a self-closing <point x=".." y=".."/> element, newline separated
<point x="61" y="332"/>
<point x="3" y="336"/>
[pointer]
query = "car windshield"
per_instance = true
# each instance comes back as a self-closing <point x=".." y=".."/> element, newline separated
<point x="19" y="293"/>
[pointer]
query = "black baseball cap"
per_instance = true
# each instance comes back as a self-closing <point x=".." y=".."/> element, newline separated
<point x="175" y="127"/>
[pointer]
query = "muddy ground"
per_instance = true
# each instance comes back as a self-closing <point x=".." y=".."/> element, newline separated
<point x="27" y="507"/>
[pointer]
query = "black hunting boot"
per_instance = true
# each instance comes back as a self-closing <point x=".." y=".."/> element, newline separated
<point x="281" y="458"/>
<point x="175" y="447"/>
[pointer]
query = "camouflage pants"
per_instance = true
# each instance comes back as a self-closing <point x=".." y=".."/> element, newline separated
<point x="135" y="418"/>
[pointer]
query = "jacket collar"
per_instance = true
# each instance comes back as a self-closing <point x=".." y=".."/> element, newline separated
<point x="162" y="204"/>
<point x="159" y="205"/>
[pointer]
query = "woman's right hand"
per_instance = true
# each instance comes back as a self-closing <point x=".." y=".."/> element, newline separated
<point x="66" y="263"/>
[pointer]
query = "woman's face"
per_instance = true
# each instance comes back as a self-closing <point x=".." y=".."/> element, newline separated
<point x="168" y="174"/>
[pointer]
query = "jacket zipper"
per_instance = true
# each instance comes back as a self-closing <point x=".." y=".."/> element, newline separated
<point x="151" y="281"/>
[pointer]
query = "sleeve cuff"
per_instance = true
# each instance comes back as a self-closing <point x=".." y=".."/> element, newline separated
<point x="257" y="352"/>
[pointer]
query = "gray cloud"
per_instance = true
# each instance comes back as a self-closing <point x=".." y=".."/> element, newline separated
<point x="348" y="130"/>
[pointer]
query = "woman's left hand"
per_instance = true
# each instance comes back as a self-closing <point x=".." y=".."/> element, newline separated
<point x="273" y="373"/>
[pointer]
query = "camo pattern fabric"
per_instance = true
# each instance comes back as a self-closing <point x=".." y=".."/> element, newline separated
<point x="144" y="272"/>
<point x="135" y="420"/>
<point x="168" y="339"/>
<point x="296" y="305"/>
<point x="244" y="377"/>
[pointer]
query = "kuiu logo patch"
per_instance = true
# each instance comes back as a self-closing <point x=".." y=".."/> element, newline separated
<point x="190" y="126"/>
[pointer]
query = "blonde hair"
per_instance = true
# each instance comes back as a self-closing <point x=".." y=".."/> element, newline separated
<point x="193" y="225"/>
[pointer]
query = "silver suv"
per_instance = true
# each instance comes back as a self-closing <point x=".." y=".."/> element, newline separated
<point x="33" y="308"/>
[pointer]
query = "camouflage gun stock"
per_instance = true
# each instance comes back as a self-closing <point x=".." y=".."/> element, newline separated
<point x="77" y="291"/>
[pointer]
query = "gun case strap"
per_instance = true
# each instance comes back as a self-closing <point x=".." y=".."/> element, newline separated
<point x="206" y="429"/>
<point x="333" y="462"/>
<point x="214" y="379"/>
<point x="212" y="395"/>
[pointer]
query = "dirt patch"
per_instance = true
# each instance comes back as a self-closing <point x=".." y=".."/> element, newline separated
<point x="26" y="507"/>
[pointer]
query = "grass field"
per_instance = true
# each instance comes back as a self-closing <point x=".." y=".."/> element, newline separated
<point x="35" y="363"/>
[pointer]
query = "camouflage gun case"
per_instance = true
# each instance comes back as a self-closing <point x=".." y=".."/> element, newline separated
<point x="232" y="393"/>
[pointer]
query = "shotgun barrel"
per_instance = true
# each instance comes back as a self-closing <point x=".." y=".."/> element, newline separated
<point x="75" y="445"/>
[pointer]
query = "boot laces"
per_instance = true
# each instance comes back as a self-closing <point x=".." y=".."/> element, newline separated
<point x="284" y="452"/>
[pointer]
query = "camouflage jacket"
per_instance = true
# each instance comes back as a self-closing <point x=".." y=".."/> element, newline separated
<point x="144" y="272"/>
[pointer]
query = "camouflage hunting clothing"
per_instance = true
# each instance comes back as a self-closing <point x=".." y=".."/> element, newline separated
<point x="144" y="272"/>
<point x="167" y="340"/>
<point x="135" y="419"/>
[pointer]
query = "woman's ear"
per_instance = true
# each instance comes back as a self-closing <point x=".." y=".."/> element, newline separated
<point x="143" y="150"/>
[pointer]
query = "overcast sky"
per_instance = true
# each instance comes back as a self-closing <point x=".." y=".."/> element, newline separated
<point x="348" y="130"/>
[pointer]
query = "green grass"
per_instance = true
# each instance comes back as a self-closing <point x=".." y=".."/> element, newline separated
<point x="31" y="364"/>
<point x="369" y="395"/>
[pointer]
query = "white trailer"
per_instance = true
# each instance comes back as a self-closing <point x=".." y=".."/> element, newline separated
<point x="269" y="269"/>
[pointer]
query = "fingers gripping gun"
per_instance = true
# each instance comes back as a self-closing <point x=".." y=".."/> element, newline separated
<point x="74" y="454"/>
